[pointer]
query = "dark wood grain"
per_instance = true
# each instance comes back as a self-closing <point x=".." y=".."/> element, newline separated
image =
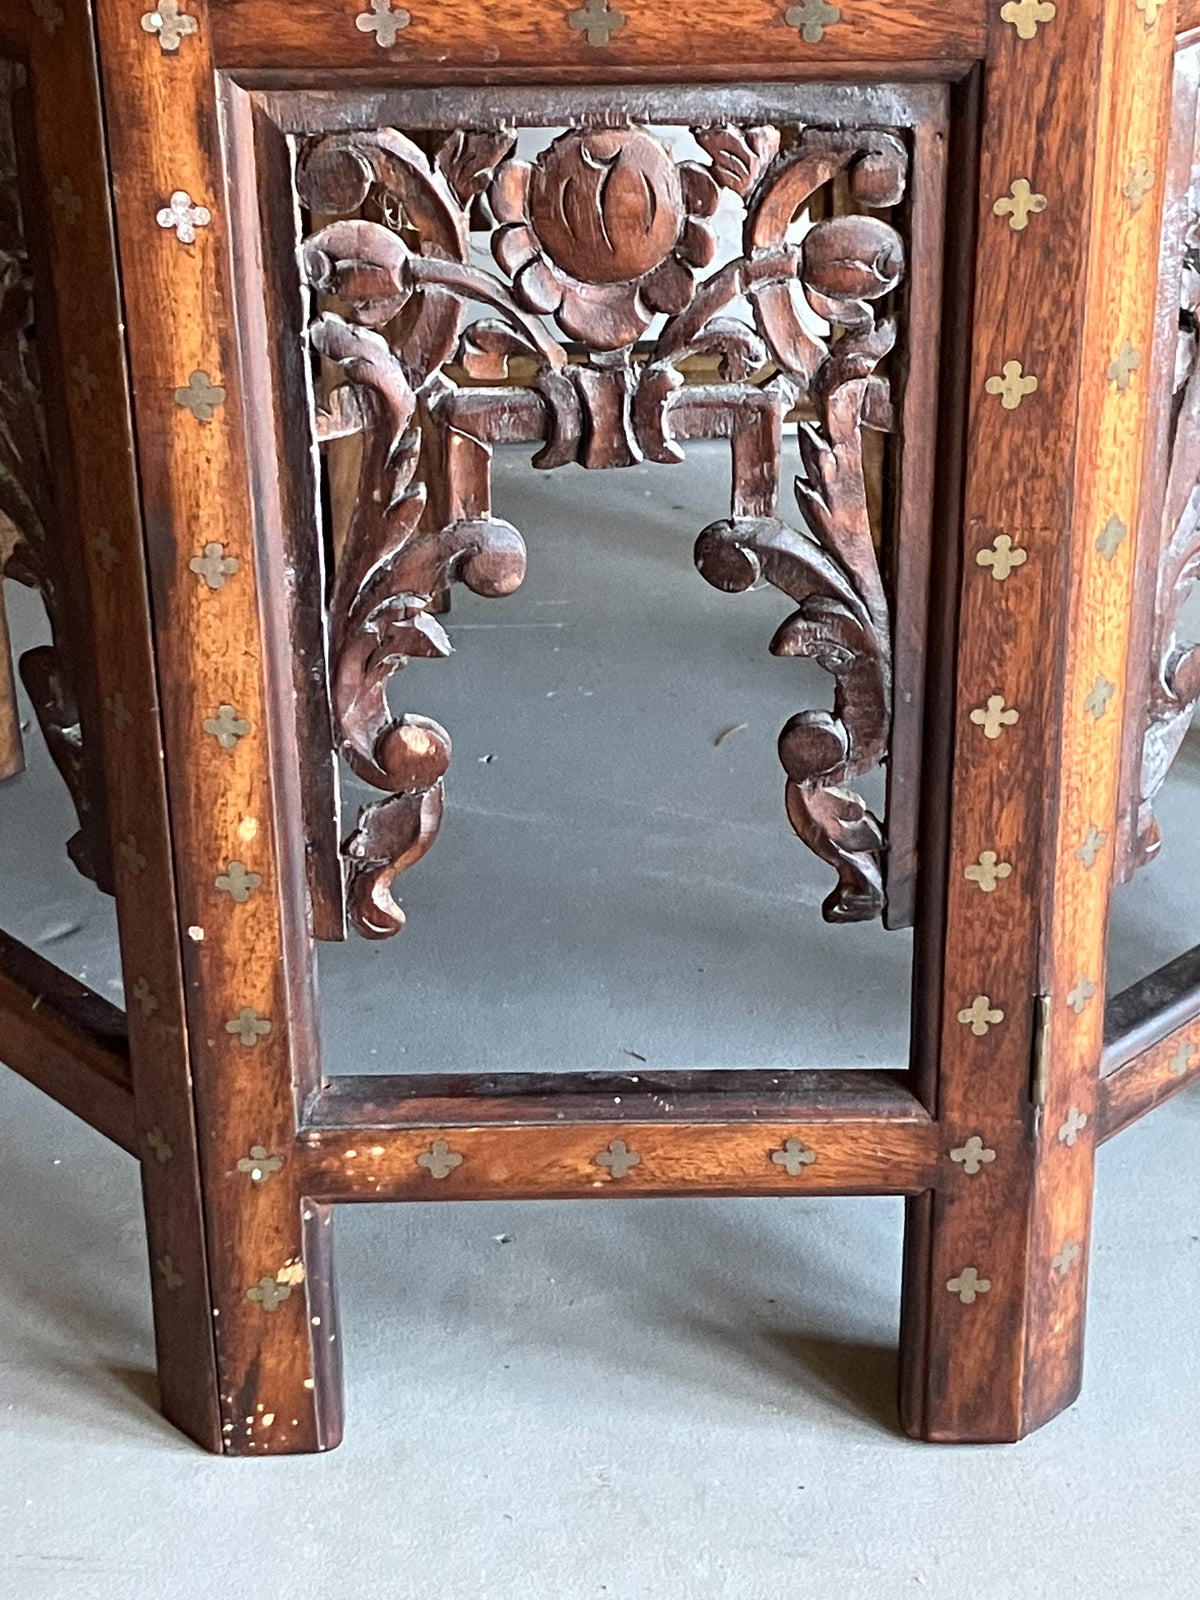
<point x="67" y="1040"/>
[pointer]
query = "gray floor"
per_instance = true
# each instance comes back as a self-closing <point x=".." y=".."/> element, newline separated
<point x="664" y="1399"/>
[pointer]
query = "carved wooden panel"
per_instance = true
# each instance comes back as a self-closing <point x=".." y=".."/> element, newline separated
<point x="587" y="340"/>
<point x="32" y="547"/>
<point x="1165" y="693"/>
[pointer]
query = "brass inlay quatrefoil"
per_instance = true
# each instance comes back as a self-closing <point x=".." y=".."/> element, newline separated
<point x="180" y="214"/>
<point x="157" y="1142"/>
<point x="68" y="201"/>
<point x="1094" y="841"/>
<point x="1110" y="537"/>
<point x="49" y="14"/>
<point x="1139" y="182"/>
<point x="980" y="1015"/>
<point x="1020" y="205"/>
<point x="249" y="1027"/>
<point x="1183" y="1060"/>
<point x="214" y="566"/>
<point x="1002" y="558"/>
<point x="1099" y="695"/>
<point x="1012" y="385"/>
<point x="973" y="1156"/>
<point x="1026" y="14"/>
<point x="145" y="997"/>
<point x="226" y="727"/>
<point x="259" y="1164"/>
<point x="383" y="22"/>
<point x="1076" y="1122"/>
<point x="794" y="1156"/>
<point x="200" y="395"/>
<point x="1066" y="1257"/>
<point x="597" y="20"/>
<point x="106" y="552"/>
<point x="968" y="1285"/>
<point x="170" y="24"/>
<point x="237" y="883"/>
<point x="1080" y="995"/>
<point x="993" y="718"/>
<point x="811" y="18"/>
<point x="83" y="375"/>
<point x="269" y="1293"/>
<point x="619" y="1159"/>
<point x="988" y="871"/>
<point x="115" y="705"/>
<point x="439" y="1160"/>
<point x="1124" y="364"/>
<point x="170" y="1276"/>
<point x="131" y="854"/>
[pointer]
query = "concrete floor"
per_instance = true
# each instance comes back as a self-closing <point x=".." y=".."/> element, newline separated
<point x="681" y="1400"/>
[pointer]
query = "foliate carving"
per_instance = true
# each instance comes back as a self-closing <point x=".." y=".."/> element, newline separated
<point x="1175" y="668"/>
<point x="31" y="538"/>
<point x="603" y="231"/>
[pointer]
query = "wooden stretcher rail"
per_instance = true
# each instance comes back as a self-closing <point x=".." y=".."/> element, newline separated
<point x="1151" y="1043"/>
<point x="574" y="1136"/>
<point x="66" y="1040"/>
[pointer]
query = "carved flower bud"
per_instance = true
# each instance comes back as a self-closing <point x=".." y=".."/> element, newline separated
<point x="852" y="258"/>
<point x="606" y="206"/>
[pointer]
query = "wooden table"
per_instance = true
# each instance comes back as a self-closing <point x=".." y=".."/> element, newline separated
<point x="954" y="221"/>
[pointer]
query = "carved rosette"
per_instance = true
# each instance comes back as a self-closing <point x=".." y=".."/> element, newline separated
<point x="603" y="232"/>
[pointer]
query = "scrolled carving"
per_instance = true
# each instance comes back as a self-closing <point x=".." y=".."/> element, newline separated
<point x="602" y="231"/>
<point x="1174" y="686"/>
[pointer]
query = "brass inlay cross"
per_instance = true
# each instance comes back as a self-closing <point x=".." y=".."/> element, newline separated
<point x="106" y="554"/>
<point x="439" y="1160"/>
<point x="980" y="1015"/>
<point x="1150" y="10"/>
<point x="226" y="727"/>
<point x="1123" y="366"/>
<point x="172" y="1278"/>
<point x="200" y="396"/>
<point x="1099" y="695"/>
<point x="131" y="854"/>
<point x="794" y="1156"/>
<point x="597" y="21"/>
<point x="1139" y="183"/>
<point x="1076" y="1122"/>
<point x="85" y="377"/>
<point x="383" y="22"/>
<point x="145" y="997"/>
<point x="973" y="1156"/>
<point x="1080" y="995"/>
<point x="248" y="1026"/>
<point x="812" y="18"/>
<point x="1026" y="14"/>
<point x="988" y="871"/>
<point x="237" y="883"/>
<point x="269" y="1293"/>
<point x="170" y="24"/>
<point x="1012" y="386"/>
<point x="49" y="14"/>
<point x="1066" y="1257"/>
<point x="1022" y="204"/>
<point x="214" y="566"/>
<point x="66" y="198"/>
<point x="1111" y="534"/>
<point x="157" y="1142"/>
<point x="1094" y="841"/>
<point x="259" y="1164"/>
<point x="179" y="213"/>
<point x="968" y="1286"/>
<point x="1003" y="558"/>
<point x="115" y="705"/>
<point x="1183" y="1060"/>
<point x="993" y="717"/>
<point x="619" y="1159"/>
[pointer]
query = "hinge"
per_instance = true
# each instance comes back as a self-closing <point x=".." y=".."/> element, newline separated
<point x="1041" y="1049"/>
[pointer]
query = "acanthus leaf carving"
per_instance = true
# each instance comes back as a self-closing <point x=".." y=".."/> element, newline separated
<point x="601" y="231"/>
